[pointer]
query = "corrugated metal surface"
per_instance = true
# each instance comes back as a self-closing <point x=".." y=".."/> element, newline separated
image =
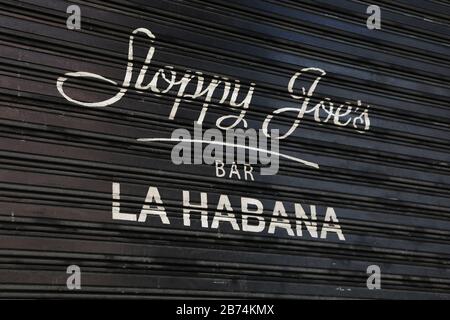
<point x="389" y="185"/>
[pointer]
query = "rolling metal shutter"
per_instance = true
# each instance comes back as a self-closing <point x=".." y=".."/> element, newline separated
<point x="388" y="185"/>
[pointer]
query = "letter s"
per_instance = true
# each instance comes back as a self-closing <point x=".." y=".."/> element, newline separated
<point x="126" y="82"/>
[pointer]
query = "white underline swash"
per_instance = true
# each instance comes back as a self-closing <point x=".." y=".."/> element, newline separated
<point x="307" y="163"/>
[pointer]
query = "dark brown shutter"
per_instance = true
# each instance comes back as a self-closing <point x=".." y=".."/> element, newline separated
<point x="389" y="185"/>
